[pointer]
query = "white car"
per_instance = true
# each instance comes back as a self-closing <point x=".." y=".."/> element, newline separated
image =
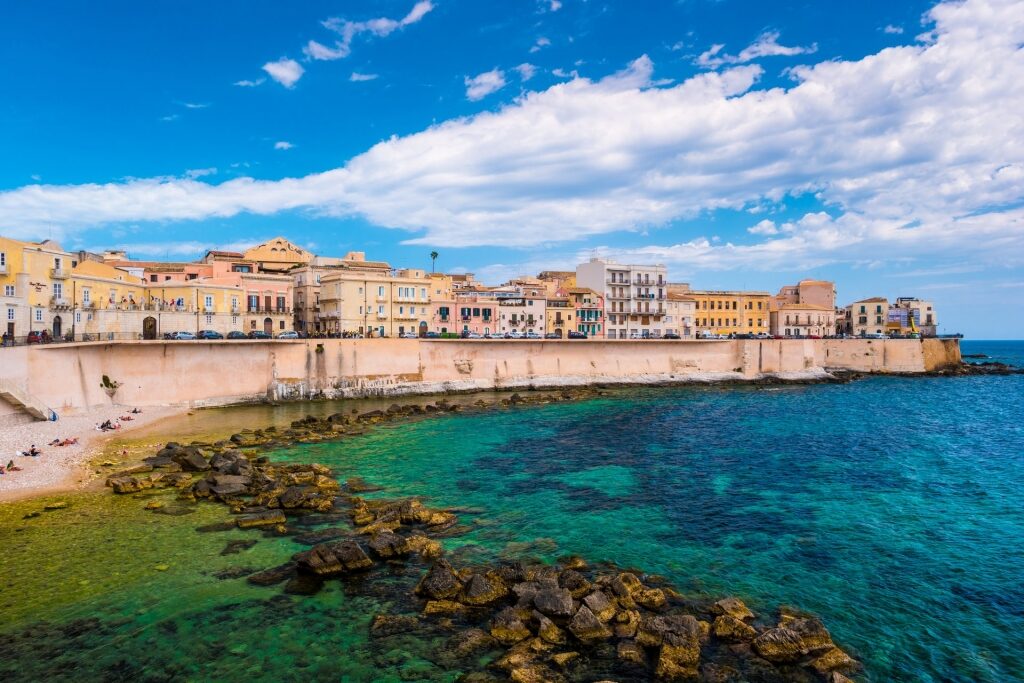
<point x="289" y="334"/>
<point x="514" y="334"/>
<point x="408" y="335"/>
<point x="532" y="335"/>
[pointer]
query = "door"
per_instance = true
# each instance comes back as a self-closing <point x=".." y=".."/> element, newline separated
<point x="423" y="330"/>
<point x="56" y="326"/>
<point x="149" y="328"/>
<point x="268" y="325"/>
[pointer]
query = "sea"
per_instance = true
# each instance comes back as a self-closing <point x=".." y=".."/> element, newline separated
<point x="891" y="507"/>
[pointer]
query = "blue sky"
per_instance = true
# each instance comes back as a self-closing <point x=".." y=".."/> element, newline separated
<point x="744" y="144"/>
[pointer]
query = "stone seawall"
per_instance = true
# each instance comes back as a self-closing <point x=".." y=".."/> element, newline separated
<point x="67" y="377"/>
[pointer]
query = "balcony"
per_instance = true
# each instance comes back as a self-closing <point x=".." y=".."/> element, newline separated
<point x="407" y="299"/>
<point x="381" y="298"/>
<point x="382" y="316"/>
<point x="408" y="315"/>
<point x="59" y="303"/>
<point x="58" y="274"/>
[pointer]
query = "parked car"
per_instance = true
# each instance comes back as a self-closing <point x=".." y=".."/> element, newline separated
<point x="34" y="337"/>
<point x="672" y="335"/>
<point x="514" y="334"/>
<point x="874" y="335"/>
<point x="288" y="334"/>
<point x="469" y="334"/>
<point x="235" y="334"/>
<point x="169" y="335"/>
<point x="433" y="335"/>
<point x="183" y="336"/>
<point x="408" y="335"/>
<point x="762" y="335"/>
<point x="209" y="334"/>
<point x="573" y="334"/>
<point x="259" y="334"/>
<point x="532" y="335"/>
<point x="552" y="335"/>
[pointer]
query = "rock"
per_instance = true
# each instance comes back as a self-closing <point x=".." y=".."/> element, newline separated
<point x="440" y="582"/>
<point x="836" y="677"/>
<point x="625" y="585"/>
<point x="386" y="545"/>
<point x="630" y="651"/>
<point x="507" y="627"/>
<point x="652" y="631"/>
<point x="730" y="628"/>
<point x="600" y="605"/>
<point x="428" y="548"/>
<point x="554" y="602"/>
<point x="154" y="505"/>
<point x="268" y="518"/>
<point x="732" y="607"/>
<point x="233" y="573"/>
<point x="333" y="558"/>
<point x="190" y="459"/>
<point x="547" y="631"/>
<point x="563" y="659"/>
<point x="575" y="582"/>
<point x="789" y="643"/>
<point x="481" y="590"/>
<point x="434" y="607"/>
<point x="469" y="641"/>
<point x="626" y="623"/>
<point x="295" y="496"/>
<point x="237" y="546"/>
<point x="678" y="657"/>
<point x="390" y="624"/>
<point x="573" y="562"/>
<point x="304" y="584"/>
<point x="587" y="627"/>
<point x="130" y="484"/>
<point x="359" y="485"/>
<point x="651" y="598"/>
<point x="830" y="660"/>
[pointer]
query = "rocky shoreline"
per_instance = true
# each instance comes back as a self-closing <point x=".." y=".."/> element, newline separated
<point x="511" y="619"/>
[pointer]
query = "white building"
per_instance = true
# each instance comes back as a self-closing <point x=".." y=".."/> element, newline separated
<point x="634" y="296"/>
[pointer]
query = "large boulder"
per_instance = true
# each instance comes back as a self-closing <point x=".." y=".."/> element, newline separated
<point x="574" y="582"/>
<point x="732" y="629"/>
<point x="266" y="518"/>
<point x="507" y="627"/>
<point x="547" y="630"/>
<point x="678" y="658"/>
<point x="129" y="484"/>
<point x="587" y="627"/>
<point x="482" y="590"/>
<point x="333" y="558"/>
<point x="732" y="607"/>
<point x="440" y="582"/>
<point x="387" y="545"/>
<point x="652" y="631"/>
<point x="831" y="660"/>
<point x="190" y="459"/>
<point x="796" y="639"/>
<point x="295" y="496"/>
<point x="553" y="602"/>
<point x="599" y="603"/>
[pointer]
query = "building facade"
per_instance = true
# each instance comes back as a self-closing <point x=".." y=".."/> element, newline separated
<point x="803" y="320"/>
<point x="634" y="296"/>
<point x="727" y="312"/>
<point x="375" y="304"/>
<point x="868" y="316"/>
<point x="922" y="312"/>
<point x="679" y="318"/>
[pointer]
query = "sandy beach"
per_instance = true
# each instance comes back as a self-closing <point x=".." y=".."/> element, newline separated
<point x="62" y="468"/>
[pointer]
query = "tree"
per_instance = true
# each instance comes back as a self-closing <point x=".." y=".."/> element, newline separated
<point x="433" y="260"/>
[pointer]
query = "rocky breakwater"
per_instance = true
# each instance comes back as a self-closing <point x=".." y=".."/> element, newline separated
<point x="516" y="619"/>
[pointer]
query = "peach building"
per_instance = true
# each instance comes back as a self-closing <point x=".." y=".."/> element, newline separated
<point x="803" y="320"/>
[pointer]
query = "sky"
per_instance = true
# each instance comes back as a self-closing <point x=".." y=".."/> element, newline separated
<point x="742" y="143"/>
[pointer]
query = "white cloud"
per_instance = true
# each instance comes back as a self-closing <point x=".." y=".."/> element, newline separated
<point x="914" y="151"/>
<point x="348" y="30"/>
<point x="765" y="227"/>
<point x="482" y="85"/>
<point x="250" y="84"/>
<point x="200" y="172"/>
<point x="766" y="45"/>
<point x="526" y="71"/>
<point x="283" y="145"/>
<point x="894" y="30"/>
<point x="540" y="44"/>
<point x="285" y="71"/>
<point x="357" y="77"/>
<point x="194" y="105"/>
<point x="170" y="117"/>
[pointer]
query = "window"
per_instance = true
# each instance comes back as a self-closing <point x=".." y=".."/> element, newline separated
<point x="152" y="278"/>
<point x="380" y="310"/>
<point x="209" y="318"/>
<point x="10" y="314"/>
<point x="423" y="292"/>
<point x="3" y="258"/>
<point x="86" y="294"/>
<point x="234" y="303"/>
<point x="282" y="325"/>
<point x="8" y="290"/>
<point x="208" y="302"/>
<point x="39" y="315"/>
<point x="380" y="291"/>
<point x="58" y="290"/>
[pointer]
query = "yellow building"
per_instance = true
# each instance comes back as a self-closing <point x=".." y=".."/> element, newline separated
<point x="36" y="287"/>
<point x="725" y="312"/>
<point x="278" y="255"/>
<point x="376" y="304"/>
<point x="561" y="315"/>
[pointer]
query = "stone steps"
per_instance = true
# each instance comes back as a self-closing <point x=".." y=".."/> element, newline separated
<point x="24" y="400"/>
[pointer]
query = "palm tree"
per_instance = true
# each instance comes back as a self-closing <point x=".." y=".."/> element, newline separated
<point x="433" y="260"/>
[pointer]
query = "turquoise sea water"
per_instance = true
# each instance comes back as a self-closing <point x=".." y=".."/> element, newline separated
<point x="889" y="506"/>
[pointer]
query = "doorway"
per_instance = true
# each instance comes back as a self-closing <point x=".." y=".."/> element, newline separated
<point x="423" y="330"/>
<point x="268" y="326"/>
<point x="149" y="328"/>
<point x="56" y="327"/>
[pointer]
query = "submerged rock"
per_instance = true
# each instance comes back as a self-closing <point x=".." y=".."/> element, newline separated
<point x="798" y="638"/>
<point x="440" y="582"/>
<point x="268" y="518"/>
<point x="333" y="559"/>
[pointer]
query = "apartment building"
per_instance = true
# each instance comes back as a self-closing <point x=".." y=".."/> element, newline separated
<point x="814" y="292"/>
<point x="522" y="314"/>
<point x="634" y="296"/>
<point x="560" y="314"/>
<point x="922" y="312"/>
<point x="725" y="312"/>
<point x="803" y="320"/>
<point x="278" y="256"/>
<point x="589" y="310"/>
<point x="306" y="280"/>
<point x="679" y="318"/>
<point x="868" y="316"/>
<point x="476" y="312"/>
<point x="376" y="304"/>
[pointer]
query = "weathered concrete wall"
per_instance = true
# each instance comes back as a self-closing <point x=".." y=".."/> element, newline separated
<point x="67" y="377"/>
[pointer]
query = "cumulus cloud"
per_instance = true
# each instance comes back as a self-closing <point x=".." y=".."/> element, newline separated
<point x="482" y="85"/>
<point x="283" y="145"/>
<point x="766" y="45"/>
<point x="765" y="227"/>
<point x="526" y="71"/>
<point x="892" y="29"/>
<point x="348" y="30"/>
<point x="285" y="71"/>
<point x="250" y="83"/>
<point x="357" y="77"/>
<point x="913" y="150"/>
<point x="540" y="45"/>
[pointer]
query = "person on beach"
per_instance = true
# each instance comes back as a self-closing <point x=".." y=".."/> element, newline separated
<point x="33" y="451"/>
<point x="126" y="418"/>
<point x="11" y="467"/>
<point x="136" y="411"/>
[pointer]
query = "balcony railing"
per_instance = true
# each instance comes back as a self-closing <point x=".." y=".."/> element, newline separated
<point x="58" y="274"/>
<point x="59" y="303"/>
